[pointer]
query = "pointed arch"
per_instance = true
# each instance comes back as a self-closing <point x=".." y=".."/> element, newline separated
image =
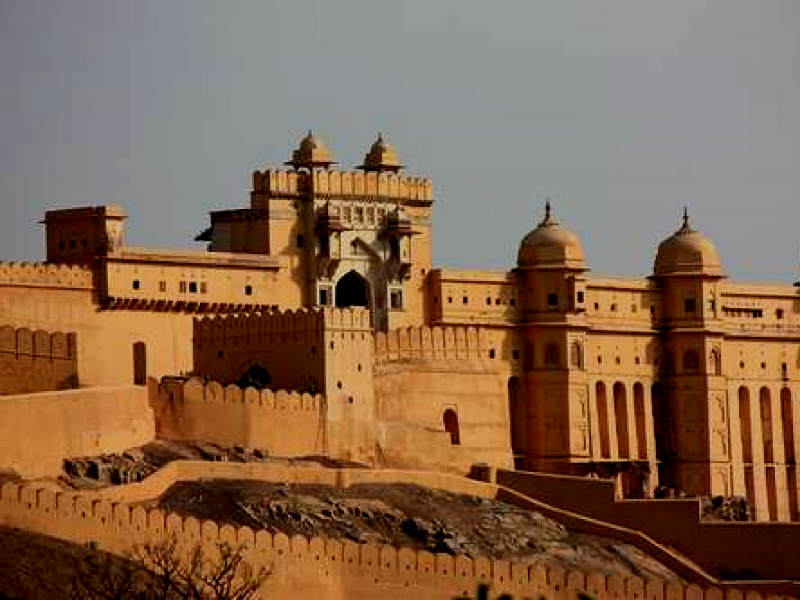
<point x="352" y="290"/>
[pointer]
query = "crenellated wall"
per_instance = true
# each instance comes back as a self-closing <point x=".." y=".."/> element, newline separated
<point x="285" y="423"/>
<point x="45" y="275"/>
<point x="38" y="431"/>
<point x="344" y="183"/>
<point x="441" y="402"/>
<point x="36" y="361"/>
<point x="319" y="567"/>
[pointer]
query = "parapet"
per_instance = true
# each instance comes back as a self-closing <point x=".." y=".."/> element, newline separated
<point x="212" y="392"/>
<point x="256" y="327"/>
<point x="430" y="343"/>
<point x="409" y="190"/>
<point x="40" y="344"/>
<point x="45" y="275"/>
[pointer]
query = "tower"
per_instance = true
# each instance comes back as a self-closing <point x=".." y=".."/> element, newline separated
<point x="551" y="268"/>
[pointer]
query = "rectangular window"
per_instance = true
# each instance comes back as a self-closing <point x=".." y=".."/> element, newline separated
<point x="299" y="241"/>
<point x="552" y="299"/>
<point x="203" y="287"/>
<point x="324" y="296"/>
<point x="396" y="299"/>
<point x="162" y="286"/>
<point x="358" y="213"/>
<point x="370" y="215"/>
<point x="580" y="297"/>
<point x="182" y="286"/>
<point x="689" y="305"/>
<point x="779" y="313"/>
<point x="248" y="290"/>
<point x="347" y="214"/>
<point x="192" y="287"/>
<point x="136" y="284"/>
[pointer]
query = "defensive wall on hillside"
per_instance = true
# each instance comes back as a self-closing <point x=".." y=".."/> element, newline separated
<point x="344" y="183"/>
<point x="731" y="550"/>
<point x="38" y="431"/>
<point x="36" y="361"/>
<point x="327" y="568"/>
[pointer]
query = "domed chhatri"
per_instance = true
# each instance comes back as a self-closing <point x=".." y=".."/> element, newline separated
<point x="382" y="156"/>
<point x="687" y="252"/>
<point x="311" y="153"/>
<point x="550" y="246"/>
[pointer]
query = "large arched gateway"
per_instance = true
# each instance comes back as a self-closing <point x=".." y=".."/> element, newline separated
<point x="352" y="290"/>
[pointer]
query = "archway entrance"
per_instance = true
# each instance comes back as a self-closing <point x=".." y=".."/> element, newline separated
<point x="352" y="290"/>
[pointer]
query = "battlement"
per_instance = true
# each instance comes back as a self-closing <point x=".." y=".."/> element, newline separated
<point x="257" y="327"/>
<point x="213" y="392"/>
<point x="430" y="343"/>
<point x="45" y="275"/>
<point x="361" y="568"/>
<point x="40" y="344"/>
<point x="344" y="183"/>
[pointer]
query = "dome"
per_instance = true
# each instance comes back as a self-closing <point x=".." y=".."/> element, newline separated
<point x="687" y="252"/>
<point x="311" y="153"/>
<point x="551" y="246"/>
<point x="381" y="157"/>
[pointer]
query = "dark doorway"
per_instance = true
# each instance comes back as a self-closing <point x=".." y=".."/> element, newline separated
<point x="139" y="363"/>
<point x="352" y="290"/>
<point x="451" y="426"/>
<point x="256" y="376"/>
<point x="517" y="416"/>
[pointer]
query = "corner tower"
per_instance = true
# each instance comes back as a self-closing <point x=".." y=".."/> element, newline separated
<point x="551" y="269"/>
<point x="696" y="452"/>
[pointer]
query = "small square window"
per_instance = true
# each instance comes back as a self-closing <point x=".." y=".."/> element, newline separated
<point x="203" y="287"/>
<point x="61" y="245"/>
<point x="512" y="302"/>
<point x="689" y="305"/>
<point x="136" y="284"/>
<point x="580" y="297"/>
<point x="779" y="313"/>
<point x="248" y="290"/>
<point x="324" y="296"/>
<point x="489" y="301"/>
<point x="552" y="299"/>
<point x="192" y="287"/>
<point x="162" y="286"/>
<point x="515" y="354"/>
<point x="614" y="307"/>
<point x="465" y="300"/>
<point x="299" y="241"/>
<point x="182" y="286"/>
<point x="449" y="299"/>
<point x="396" y="299"/>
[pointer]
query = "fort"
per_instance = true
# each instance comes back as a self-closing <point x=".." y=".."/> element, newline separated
<point x="314" y="323"/>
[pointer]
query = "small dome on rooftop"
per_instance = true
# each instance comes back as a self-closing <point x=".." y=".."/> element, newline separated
<point x="382" y="156"/>
<point x="687" y="252"/>
<point x="311" y="153"/>
<point x="551" y="246"/>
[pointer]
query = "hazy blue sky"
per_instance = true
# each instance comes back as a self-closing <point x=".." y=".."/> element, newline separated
<point x="621" y="111"/>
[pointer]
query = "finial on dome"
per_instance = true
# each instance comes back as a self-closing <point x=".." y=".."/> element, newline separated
<point x="686" y="227"/>
<point x="548" y="220"/>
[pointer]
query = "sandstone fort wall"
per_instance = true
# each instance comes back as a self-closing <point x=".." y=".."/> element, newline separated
<point x="38" y="431"/>
<point x="318" y="567"/>
<point x="283" y="423"/>
<point x="718" y="547"/>
<point x="36" y="361"/>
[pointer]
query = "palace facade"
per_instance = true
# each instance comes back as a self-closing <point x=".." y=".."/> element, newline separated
<point x="324" y="285"/>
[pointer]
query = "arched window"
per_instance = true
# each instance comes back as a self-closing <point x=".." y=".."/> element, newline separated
<point x="765" y="405"/>
<point x="788" y="425"/>
<point x="602" y="419"/>
<point x="639" y="412"/>
<point x="715" y="361"/>
<point x="576" y="355"/>
<point x="450" y="419"/>
<point x="691" y="361"/>
<point x="552" y="355"/>
<point x="621" y="416"/>
<point x="662" y="423"/>
<point x="517" y="416"/>
<point x="744" y="425"/>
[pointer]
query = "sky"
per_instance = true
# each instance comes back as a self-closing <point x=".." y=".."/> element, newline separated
<point x="620" y="111"/>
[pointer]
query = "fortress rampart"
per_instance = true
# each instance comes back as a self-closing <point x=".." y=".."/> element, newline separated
<point x="38" y="431"/>
<point x="319" y="567"/>
<point x="284" y="423"/>
<point x="45" y="275"/>
<point x="430" y="343"/>
<point x="344" y="183"/>
<point x="36" y="361"/>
